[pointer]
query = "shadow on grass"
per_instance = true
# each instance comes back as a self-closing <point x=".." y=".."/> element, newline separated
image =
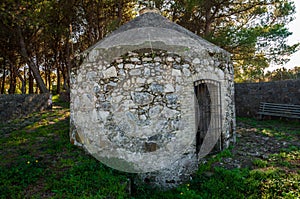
<point x="38" y="161"/>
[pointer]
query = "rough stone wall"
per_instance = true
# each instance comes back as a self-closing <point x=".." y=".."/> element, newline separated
<point x="15" y="106"/>
<point x="137" y="109"/>
<point x="141" y="107"/>
<point x="133" y="99"/>
<point x="144" y="90"/>
<point x="249" y="95"/>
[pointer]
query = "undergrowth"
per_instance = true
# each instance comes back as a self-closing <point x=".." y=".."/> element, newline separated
<point x="38" y="161"/>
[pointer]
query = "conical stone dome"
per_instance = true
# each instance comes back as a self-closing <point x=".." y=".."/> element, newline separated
<point x="139" y="97"/>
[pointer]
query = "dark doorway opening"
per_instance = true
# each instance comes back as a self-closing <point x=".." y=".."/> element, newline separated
<point x="208" y="110"/>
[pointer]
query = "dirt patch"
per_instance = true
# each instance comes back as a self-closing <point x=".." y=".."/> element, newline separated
<point x="260" y="142"/>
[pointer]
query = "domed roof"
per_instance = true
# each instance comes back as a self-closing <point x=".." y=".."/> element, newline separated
<point x="151" y="30"/>
<point x="133" y="97"/>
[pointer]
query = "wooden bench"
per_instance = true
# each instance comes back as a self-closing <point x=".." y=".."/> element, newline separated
<point x="280" y="110"/>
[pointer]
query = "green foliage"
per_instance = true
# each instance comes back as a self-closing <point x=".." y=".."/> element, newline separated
<point x="283" y="74"/>
<point x="224" y="184"/>
<point x="285" y="159"/>
<point x="37" y="160"/>
<point x="276" y="184"/>
<point x="208" y="165"/>
<point x="260" y="163"/>
<point x="254" y="32"/>
<point x="281" y="187"/>
<point x="85" y="178"/>
<point x="54" y="32"/>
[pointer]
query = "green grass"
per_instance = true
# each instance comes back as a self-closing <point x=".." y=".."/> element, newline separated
<point x="282" y="129"/>
<point x="38" y="161"/>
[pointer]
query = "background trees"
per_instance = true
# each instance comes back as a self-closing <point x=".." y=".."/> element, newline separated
<point x="254" y="32"/>
<point x="283" y="74"/>
<point x="39" y="39"/>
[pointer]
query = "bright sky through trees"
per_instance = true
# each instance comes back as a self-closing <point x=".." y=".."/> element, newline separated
<point x="295" y="37"/>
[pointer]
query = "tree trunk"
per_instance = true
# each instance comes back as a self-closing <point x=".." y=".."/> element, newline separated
<point x="32" y="66"/>
<point x="69" y="53"/>
<point x="25" y="82"/>
<point x="30" y="79"/>
<point x="12" y="83"/>
<point x="49" y="79"/>
<point x="16" y="72"/>
<point x="64" y="75"/>
<point x="3" y="80"/>
<point x="208" y="20"/>
<point x="46" y="75"/>
<point x="58" y="81"/>
<point x="120" y="12"/>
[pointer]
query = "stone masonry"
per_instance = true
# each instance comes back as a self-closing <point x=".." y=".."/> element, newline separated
<point x="20" y="105"/>
<point x="249" y="95"/>
<point x="133" y="102"/>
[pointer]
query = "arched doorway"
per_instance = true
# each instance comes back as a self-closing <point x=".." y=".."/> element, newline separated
<point x="208" y="114"/>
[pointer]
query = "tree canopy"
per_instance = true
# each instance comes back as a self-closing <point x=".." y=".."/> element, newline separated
<point x="40" y="38"/>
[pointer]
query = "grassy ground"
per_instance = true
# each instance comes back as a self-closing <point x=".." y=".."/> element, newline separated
<point x="38" y="161"/>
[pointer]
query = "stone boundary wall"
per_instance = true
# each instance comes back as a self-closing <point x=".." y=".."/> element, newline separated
<point x="19" y="105"/>
<point x="247" y="99"/>
<point x="249" y="95"/>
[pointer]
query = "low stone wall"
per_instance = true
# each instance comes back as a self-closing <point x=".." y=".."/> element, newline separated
<point x="15" y="106"/>
<point x="249" y="95"/>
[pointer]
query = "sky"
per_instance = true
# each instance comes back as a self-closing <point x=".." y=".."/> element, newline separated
<point x="294" y="27"/>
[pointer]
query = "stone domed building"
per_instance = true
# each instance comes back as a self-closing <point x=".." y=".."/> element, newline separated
<point x="153" y="98"/>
